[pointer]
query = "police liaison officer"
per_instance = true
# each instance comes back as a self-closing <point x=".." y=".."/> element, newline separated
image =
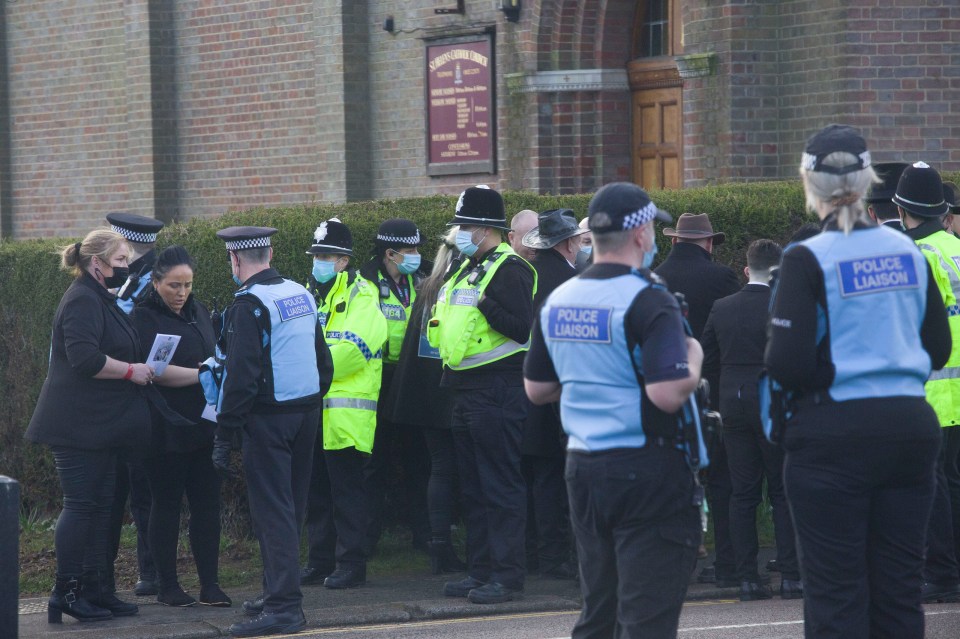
<point x="395" y="273"/>
<point x="481" y="324"/>
<point x="141" y="234"/>
<point x="276" y="371"/>
<point x="862" y="441"/>
<point x="613" y="340"/>
<point x="355" y="330"/>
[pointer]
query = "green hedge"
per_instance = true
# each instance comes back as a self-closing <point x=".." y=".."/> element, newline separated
<point x="31" y="283"/>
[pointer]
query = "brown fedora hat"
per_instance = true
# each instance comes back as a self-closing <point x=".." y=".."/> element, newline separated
<point x="692" y="226"/>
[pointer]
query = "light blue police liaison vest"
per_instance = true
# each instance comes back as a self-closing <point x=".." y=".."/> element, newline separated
<point x="868" y="274"/>
<point x="293" y="326"/>
<point x="583" y="326"/>
<point x="128" y="304"/>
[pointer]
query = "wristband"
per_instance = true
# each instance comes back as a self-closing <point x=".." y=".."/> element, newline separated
<point x="129" y="372"/>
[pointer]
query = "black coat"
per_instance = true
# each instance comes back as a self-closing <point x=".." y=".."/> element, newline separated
<point x="543" y="434"/>
<point x="689" y="269"/>
<point x="415" y="396"/>
<point x="734" y="340"/>
<point x="197" y="339"/>
<point x="75" y="409"/>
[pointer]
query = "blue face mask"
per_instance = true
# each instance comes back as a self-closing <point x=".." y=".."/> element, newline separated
<point x="586" y="250"/>
<point x="409" y="264"/>
<point x="465" y="243"/>
<point x="648" y="257"/>
<point x="236" y="280"/>
<point x="324" y="271"/>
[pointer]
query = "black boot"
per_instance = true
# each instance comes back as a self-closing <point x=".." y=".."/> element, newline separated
<point x="96" y="590"/>
<point x="66" y="598"/>
<point x="443" y="558"/>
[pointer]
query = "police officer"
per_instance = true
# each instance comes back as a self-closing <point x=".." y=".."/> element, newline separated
<point x="141" y="233"/>
<point x="920" y="202"/>
<point x="879" y="198"/>
<point x="395" y="272"/>
<point x="348" y="308"/>
<point x="277" y="368"/>
<point x="613" y="340"/>
<point x="862" y="442"/>
<point x="481" y="324"/>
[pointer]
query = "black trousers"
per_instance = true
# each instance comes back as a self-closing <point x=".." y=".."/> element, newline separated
<point x="277" y="457"/>
<point x="637" y="533"/>
<point x="951" y="468"/>
<point x="719" y="491"/>
<point x="940" y="566"/>
<point x="337" y="516"/>
<point x="132" y="483"/>
<point x="399" y="464"/>
<point x="487" y="426"/>
<point x="859" y="477"/>
<point x="443" y="486"/>
<point x="173" y="475"/>
<point x="88" y="480"/>
<point x="548" y="529"/>
<point x="752" y="459"/>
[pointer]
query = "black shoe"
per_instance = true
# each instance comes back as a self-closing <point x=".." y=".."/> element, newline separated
<point x="253" y="607"/>
<point x="565" y="570"/>
<point x="347" y="577"/>
<point x="940" y="593"/>
<point x="754" y="591"/>
<point x="270" y="623"/>
<point x="772" y="566"/>
<point x="463" y="587"/>
<point x="311" y="576"/>
<point x="95" y="590"/>
<point x="213" y="595"/>
<point x="443" y="558"/>
<point x="66" y="599"/>
<point x="494" y="593"/>
<point x="175" y="596"/>
<point x="146" y="586"/>
<point x="791" y="589"/>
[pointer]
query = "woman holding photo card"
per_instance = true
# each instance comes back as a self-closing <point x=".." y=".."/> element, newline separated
<point x="179" y="460"/>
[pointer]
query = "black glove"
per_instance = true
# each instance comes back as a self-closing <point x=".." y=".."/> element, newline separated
<point x="221" y="458"/>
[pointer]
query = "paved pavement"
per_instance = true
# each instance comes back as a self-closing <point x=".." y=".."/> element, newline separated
<point x="382" y="600"/>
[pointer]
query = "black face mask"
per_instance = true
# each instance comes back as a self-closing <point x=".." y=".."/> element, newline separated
<point x="119" y="277"/>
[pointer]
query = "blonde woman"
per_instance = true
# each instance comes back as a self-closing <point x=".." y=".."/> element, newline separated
<point x="91" y="405"/>
<point x="862" y="444"/>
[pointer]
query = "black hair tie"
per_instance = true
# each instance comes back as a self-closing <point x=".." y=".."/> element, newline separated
<point x="77" y="247"/>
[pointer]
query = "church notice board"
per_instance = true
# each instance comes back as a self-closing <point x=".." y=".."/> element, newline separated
<point x="460" y="107"/>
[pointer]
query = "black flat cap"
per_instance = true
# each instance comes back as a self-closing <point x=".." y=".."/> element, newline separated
<point x="240" y="238"/>
<point x="619" y="206"/>
<point x="136" y="228"/>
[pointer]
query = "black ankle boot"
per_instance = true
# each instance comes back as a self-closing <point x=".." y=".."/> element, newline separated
<point x="443" y="558"/>
<point x="96" y="590"/>
<point x="66" y="599"/>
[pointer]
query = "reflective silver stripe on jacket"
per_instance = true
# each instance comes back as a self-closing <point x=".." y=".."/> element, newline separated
<point x="952" y="372"/>
<point x="350" y="402"/>
<point x="507" y="348"/>
<point x="951" y="271"/>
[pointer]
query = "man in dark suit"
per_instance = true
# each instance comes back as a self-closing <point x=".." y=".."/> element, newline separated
<point x="556" y="239"/>
<point x="689" y="269"/>
<point x="733" y="343"/>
